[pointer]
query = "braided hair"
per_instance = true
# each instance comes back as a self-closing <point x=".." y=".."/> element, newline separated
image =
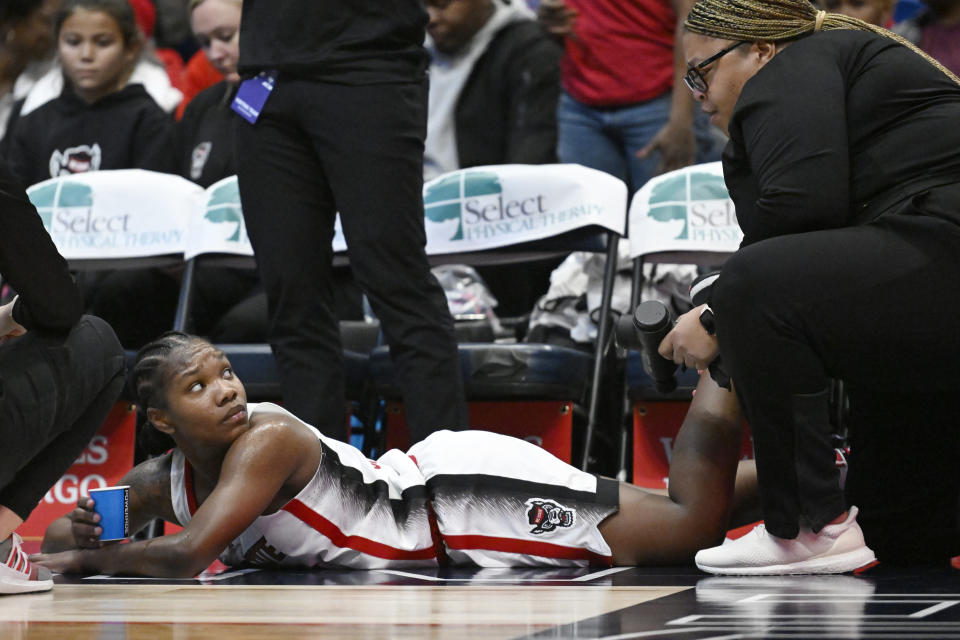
<point x="148" y="379"/>
<point x="779" y="21"/>
<point x="147" y="384"/>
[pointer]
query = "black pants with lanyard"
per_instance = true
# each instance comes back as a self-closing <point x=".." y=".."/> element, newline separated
<point x="56" y="393"/>
<point x="876" y="306"/>
<point x="318" y="148"/>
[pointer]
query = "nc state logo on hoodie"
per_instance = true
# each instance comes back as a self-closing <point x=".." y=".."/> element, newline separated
<point x="75" y="160"/>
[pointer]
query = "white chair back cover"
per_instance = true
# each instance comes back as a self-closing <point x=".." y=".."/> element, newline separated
<point x="121" y="214"/>
<point x="496" y="206"/>
<point x="687" y="211"/>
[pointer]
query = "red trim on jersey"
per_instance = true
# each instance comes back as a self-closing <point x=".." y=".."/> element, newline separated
<point x="364" y="545"/>
<point x="525" y="547"/>
<point x="188" y="487"/>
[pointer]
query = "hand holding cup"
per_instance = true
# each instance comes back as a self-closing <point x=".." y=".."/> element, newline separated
<point x="85" y="524"/>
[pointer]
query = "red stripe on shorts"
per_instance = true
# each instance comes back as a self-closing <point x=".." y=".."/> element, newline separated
<point x="364" y="545"/>
<point x="525" y="547"/>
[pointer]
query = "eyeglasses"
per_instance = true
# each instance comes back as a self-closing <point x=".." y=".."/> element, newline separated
<point x="695" y="80"/>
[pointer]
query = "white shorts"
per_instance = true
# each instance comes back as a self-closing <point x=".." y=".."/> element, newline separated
<point x="504" y="502"/>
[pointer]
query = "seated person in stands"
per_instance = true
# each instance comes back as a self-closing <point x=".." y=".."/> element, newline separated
<point x="205" y="133"/>
<point x="98" y="121"/>
<point x="26" y="52"/>
<point x="229" y="305"/>
<point x="147" y="70"/>
<point x="494" y="87"/>
<point x="254" y="485"/>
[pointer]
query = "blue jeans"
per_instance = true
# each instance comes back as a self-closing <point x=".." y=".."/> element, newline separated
<point x="608" y="139"/>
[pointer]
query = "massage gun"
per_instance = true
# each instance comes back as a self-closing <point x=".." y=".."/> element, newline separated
<point x="643" y="332"/>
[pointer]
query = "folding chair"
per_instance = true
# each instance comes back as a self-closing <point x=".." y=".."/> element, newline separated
<point x="517" y="213"/>
<point x="681" y="217"/>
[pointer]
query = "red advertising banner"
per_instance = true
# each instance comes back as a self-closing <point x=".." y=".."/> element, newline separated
<point x="103" y="463"/>
<point x="655" y="427"/>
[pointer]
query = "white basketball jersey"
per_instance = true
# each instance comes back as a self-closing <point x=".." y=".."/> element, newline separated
<point x="470" y="497"/>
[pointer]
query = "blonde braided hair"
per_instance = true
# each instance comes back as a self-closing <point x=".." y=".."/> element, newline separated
<point x="778" y="21"/>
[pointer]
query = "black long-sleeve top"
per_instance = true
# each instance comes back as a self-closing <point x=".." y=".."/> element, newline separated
<point x="205" y="136"/>
<point x="49" y="299"/>
<point x="836" y="129"/>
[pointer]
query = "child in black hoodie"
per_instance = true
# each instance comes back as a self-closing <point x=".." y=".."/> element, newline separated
<point x="98" y="121"/>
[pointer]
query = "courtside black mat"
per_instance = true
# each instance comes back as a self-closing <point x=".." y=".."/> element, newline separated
<point x="890" y="603"/>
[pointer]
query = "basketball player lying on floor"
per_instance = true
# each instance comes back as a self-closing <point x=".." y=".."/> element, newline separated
<point x="254" y="485"/>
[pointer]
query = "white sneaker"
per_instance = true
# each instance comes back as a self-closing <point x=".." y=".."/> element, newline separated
<point x="837" y="548"/>
<point x="17" y="574"/>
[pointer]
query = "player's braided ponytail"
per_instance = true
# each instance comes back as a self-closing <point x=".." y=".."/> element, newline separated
<point x="778" y="21"/>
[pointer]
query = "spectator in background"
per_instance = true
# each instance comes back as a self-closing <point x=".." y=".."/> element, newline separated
<point x="146" y="71"/>
<point x="936" y="30"/>
<point x="26" y="50"/>
<point x="205" y="133"/>
<point x="878" y="12"/>
<point x="624" y="111"/>
<point x="229" y="305"/>
<point x="167" y="58"/>
<point x="100" y="121"/>
<point x="173" y="27"/>
<point x="494" y="85"/>
<point x="619" y="112"/>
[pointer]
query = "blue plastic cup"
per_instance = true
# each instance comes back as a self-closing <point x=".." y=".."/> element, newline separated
<point x="113" y="505"/>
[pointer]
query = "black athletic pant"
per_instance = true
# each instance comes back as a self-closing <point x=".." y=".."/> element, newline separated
<point x="319" y="148"/>
<point x="56" y="393"/>
<point x="876" y="306"/>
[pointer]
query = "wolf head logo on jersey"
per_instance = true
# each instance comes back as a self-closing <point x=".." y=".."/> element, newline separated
<point x="547" y="516"/>
<point x="75" y="160"/>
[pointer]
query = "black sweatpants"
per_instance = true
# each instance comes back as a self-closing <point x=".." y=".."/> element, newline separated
<point x="876" y="306"/>
<point x="56" y="393"/>
<point x="319" y="148"/>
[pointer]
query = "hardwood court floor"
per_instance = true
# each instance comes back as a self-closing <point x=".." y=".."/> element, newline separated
<point x="485" y="604"/>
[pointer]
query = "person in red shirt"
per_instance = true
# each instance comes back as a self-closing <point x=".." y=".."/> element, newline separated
<point x="618" y="111"/>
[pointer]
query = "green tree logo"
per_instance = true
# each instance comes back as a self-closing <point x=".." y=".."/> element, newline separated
<point x="224" y="208"/>
<point x="671" y="198"/>
<point x="59" y="195"/>
<point x="443" y="200"/>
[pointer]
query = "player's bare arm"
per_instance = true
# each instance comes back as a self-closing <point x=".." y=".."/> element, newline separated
<point x="149" y="484"/>
<point x="262" y="470"/>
